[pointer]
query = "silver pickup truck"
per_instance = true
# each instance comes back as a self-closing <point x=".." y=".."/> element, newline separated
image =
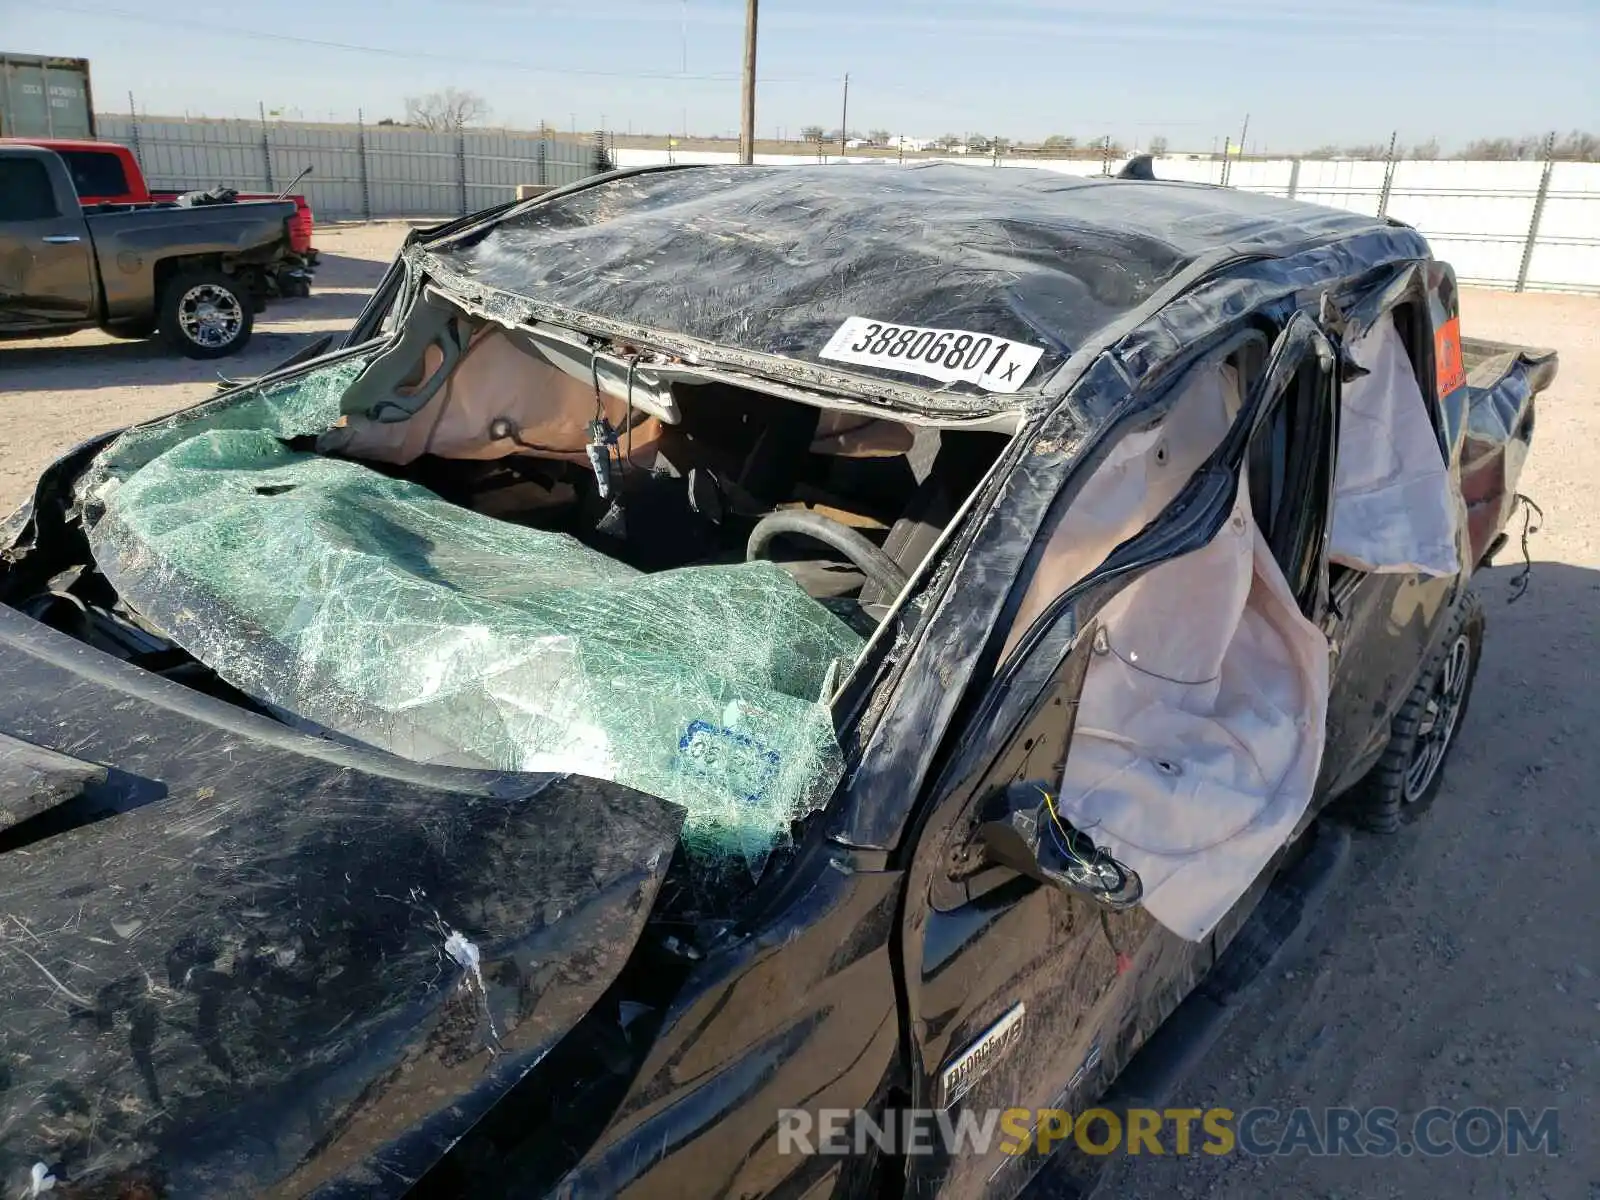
<point x="195" y="276"/>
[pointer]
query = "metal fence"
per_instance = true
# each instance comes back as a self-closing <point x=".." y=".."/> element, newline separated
<point x="1523" y="225"/>
<point x="358" y="171"/>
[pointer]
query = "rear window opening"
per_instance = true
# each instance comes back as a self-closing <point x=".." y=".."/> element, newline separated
<point x="96" y="174"/>
<point x="459" y="551"/>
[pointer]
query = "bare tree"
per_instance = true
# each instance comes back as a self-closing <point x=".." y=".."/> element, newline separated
<point x="1328" y="151"/>
<point x="813" y="133"/>
<point x="880" y="137"/>
<point x="1426" y="151"/>
<point x="1058" y="141"/>
<point x="1158" y="145"/>
<point x="1579" y="147"/>
<point x="441" y="111"/>
<point x="1370" y="150"/>
<point x="1504" y="149"/>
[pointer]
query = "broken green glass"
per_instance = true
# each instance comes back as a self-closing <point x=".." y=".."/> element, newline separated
<point x="371" y="608"/>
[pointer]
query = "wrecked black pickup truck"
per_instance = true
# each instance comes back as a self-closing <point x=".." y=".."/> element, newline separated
<point x="197" y="276"/>
<point x="720" y="643"/>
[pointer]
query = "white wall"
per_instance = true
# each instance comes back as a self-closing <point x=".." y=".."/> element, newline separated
<point x="409" y="172"/>
<point x="1475" y="215"/>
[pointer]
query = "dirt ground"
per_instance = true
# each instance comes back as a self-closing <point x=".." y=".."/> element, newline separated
<point x="1456" y="963"/>
<point x="56" y="392"/>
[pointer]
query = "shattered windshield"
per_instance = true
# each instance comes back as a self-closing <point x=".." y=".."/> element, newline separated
<point x="368" y="607"/>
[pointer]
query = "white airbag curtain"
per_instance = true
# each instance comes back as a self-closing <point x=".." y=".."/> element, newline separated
<point x="1200" y="726"/>
<point x="1394" y="509"/>
<point x="1142" y="474"/>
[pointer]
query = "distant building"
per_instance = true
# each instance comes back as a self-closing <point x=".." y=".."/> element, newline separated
<point x="856" y="143"/>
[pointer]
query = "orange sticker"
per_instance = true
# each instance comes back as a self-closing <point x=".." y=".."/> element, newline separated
<point x="1447" y="357"/>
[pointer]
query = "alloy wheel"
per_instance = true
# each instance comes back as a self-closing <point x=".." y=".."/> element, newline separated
<point x="1438" y="723"/>
<point x="210" y="315"/>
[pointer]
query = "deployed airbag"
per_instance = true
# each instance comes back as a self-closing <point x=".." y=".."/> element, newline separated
<point x="1394" y="508"/>
<point x="1200" y="726"/>
<point x="1201" y="722"/>
<point x="1142" y="473"/>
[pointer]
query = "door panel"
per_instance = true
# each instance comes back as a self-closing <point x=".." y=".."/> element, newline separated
<point x="982" y="946"/>
<point x="1090" y="983"/>
<point x="45" y="269"/>
<point x="1381" y="628"/>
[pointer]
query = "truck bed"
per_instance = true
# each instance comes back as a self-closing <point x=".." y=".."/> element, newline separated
<point x="1502" y="381"/>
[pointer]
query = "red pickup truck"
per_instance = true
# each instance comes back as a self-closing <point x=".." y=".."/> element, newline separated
<point x="106" y="173"/>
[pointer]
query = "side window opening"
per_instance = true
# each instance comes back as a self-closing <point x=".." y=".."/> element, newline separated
<point x="1407" y="318"/>
<point x="25" y="191"/>
<point x="95" y="173"/>
<point x="1288" y="470"/>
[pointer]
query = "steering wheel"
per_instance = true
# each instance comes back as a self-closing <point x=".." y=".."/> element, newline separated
<point x="863" y="555"/>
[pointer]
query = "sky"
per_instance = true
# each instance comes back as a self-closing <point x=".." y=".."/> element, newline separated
<point x="1306" y="72"/>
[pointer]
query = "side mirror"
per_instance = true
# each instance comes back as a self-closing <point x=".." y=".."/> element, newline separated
<point x="1022" y="829"/>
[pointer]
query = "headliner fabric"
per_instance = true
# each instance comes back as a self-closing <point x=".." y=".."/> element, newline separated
<point x="1395" y="509"/>
<point x="550" y="411"/>
<point x="1201" y="726"/>
<point x="496" y="379"/>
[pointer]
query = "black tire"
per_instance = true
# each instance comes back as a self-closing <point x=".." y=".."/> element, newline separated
<point x="206" y="314"/>
<point x="1405" y="781"/>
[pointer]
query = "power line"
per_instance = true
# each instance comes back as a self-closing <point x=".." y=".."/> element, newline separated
<point x="475" y="60"/>
<point x="522" y="65"/>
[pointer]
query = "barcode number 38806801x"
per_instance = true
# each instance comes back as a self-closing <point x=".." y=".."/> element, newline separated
<point x="995" y="364"/>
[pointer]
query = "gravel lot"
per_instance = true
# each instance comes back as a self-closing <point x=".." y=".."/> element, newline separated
<point x="55" y="392"/>
<point x="1456" y="963"/>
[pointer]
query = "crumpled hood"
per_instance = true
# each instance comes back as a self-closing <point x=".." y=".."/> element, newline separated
<point x="281" y="965"/>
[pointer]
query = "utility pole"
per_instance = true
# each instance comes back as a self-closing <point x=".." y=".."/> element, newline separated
<point x="747" y="126"/>
<point x="844" y="116"/>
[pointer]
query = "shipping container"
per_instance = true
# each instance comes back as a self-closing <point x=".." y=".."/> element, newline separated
<point x="42" y="96"/>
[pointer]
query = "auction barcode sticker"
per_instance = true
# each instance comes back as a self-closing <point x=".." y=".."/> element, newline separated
<point x="995" y="364"/>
